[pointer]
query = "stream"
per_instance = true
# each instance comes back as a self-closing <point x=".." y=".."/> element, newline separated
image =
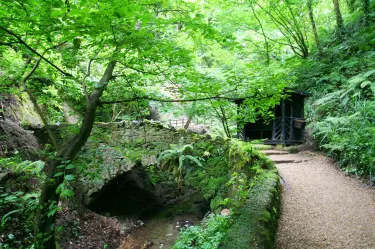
<point x="151" y="217"/>
<point x="158" y="232"/>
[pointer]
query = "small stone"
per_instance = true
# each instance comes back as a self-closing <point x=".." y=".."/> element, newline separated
<point x="225" y="212"/>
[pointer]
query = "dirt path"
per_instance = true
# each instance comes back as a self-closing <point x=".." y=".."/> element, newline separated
<point x="321" y="207"/>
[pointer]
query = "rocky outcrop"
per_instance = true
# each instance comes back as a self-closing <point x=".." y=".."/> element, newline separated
<point x="20" y="110"/>
<point x="116" y="148"/>
<point x="15" y="140"/>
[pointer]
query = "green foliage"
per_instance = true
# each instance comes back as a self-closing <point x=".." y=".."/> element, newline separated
<point x="17" y="166"/>
<point x="176" y="160"/>
<point x="208" y="234"/>
<point x="347" y="139"/>
<point x="197" y="49"/>
<point x="19" y="196"/>
<point x="237" y="155"/>
<point x="341" y="109"/>
<point x="239" y="187"/>
<point x="255" y="225"/>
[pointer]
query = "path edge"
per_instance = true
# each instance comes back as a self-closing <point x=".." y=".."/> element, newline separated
<point x="255" y="226"/>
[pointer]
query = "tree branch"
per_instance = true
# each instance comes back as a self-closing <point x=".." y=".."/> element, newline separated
<point x="85" y="77"/>
<point x="134" y="69"/>
<point x="9" y="44"/>
<point x="34" y="51"/>
<point x="35" y="103"/>
<point x="165" y="100"/>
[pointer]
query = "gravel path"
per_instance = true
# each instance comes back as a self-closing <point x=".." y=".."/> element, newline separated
<point x="323" y="208"/>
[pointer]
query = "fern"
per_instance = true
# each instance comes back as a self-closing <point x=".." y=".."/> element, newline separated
<point x="174" y="160"/>
<point x="237" y="155"/>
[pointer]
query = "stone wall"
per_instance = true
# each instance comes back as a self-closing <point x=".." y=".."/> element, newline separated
<point x="116" y="148"/>
<point x="147" y="132"/>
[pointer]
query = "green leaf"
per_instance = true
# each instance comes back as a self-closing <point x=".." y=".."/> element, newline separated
<point x="58" y="174"/>
<point x="58" y="12"/>
<point x="59" y="228"/>
<point x="373" y="87"/>
<point x="365" y="83"/>
<point x="67" y="192"/>
<point x="69" y="177"/>
<point x="369" y="73"/>
<point x="60" y="188"/>
<point x="52" y="211"/>
<point x="196" y="161"/>
<point x="70" y="166"/>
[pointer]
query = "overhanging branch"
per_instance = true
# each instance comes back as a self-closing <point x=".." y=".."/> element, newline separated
<point x="34" y="51"/>
<point x="165" y="100"/>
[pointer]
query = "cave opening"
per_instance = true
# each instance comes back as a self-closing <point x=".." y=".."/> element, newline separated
<point x="126" y="195"/>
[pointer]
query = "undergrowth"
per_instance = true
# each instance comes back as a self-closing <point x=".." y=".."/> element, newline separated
<point x="229" y="171"/>
<point x="341" y="110"/>
<point x="19" y="195"/>
<point x="207" y="235"/>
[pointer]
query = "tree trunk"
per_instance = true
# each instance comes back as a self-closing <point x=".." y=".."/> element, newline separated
<point x="188" y="122"/>
<point x="312" y="20"/>
<point x="225" y="122"/>
<point x="339" y="21"/>
<point x="45" y="224"/>
<point x="289" y="27"/>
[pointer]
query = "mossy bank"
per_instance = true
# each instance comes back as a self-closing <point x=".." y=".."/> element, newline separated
<point x="255" y="225"/>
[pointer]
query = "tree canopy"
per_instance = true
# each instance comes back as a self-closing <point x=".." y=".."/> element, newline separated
<point x="116" y="56"/>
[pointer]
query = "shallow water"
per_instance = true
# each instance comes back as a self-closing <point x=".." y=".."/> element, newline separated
<point x="158" y="232"/>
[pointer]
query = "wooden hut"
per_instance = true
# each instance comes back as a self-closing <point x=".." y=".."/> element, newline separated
<point x="288" y="126"/>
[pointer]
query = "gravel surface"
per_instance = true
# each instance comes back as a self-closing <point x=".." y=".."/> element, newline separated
<point x="323" y="208"/>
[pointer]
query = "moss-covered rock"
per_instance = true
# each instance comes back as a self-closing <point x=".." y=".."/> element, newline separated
<point x="233" y="175"/>
<point x="256" y="222"/>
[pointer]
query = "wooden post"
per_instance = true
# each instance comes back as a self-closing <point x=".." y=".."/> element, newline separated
<point x="291" y="131"/>
<point x="274" y="124"/>
<point x="283" y="121"/>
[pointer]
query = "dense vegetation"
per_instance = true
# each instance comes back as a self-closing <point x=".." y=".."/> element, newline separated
<point x="111" y="60"/>
<point x="341" y="109"/>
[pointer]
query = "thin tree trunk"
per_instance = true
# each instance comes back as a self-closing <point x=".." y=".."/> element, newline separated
<point x="290" y="30"/>
<point x="299" y="32"/>
<point x="225" y="122"/>
<point x="312" y="20"/>
<point x="266" y="44"/>
<point x="339" y="21"/>
<point x="35" y="103"/>
<point x="45" y="224"/>
<point x="188" y="122"/>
